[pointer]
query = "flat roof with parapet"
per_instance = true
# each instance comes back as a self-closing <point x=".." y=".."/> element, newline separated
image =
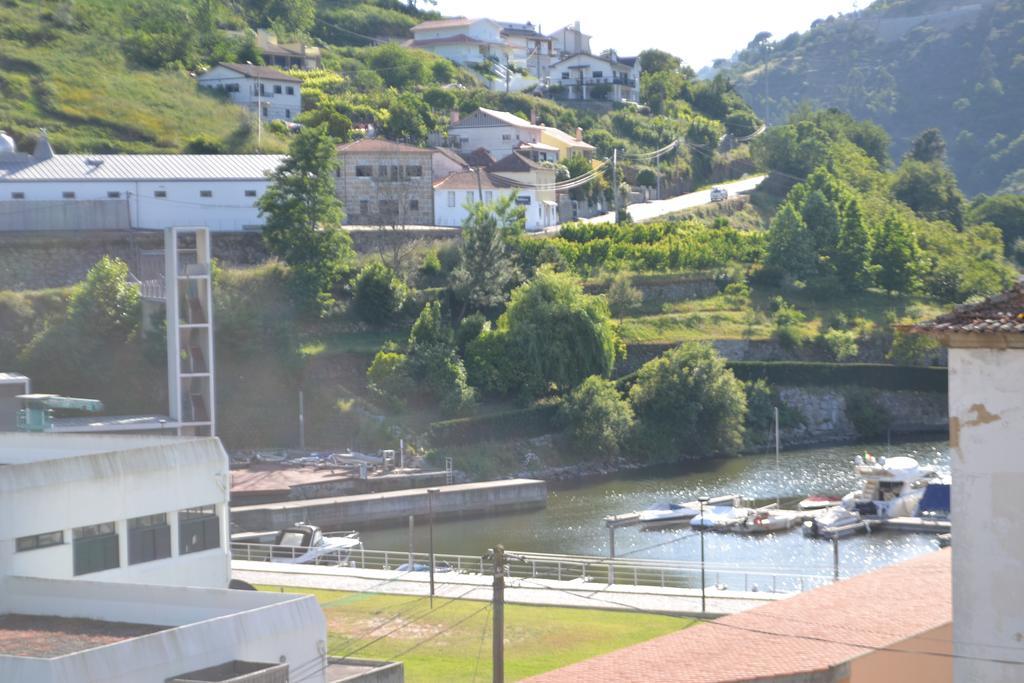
<point x="20" y="448"/>
<point x="32" y="635"/>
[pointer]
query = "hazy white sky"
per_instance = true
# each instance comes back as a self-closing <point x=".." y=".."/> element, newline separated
<point x="699" y="31"/>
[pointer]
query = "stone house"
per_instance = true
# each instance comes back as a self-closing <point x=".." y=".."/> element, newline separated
<point x="385" y="183"/>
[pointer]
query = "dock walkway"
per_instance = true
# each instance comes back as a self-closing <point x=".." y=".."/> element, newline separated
<point x="524" y="591"/>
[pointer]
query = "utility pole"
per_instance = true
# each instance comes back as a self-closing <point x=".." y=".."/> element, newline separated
<point x="302" y="423"/>
<point x="479" y="185"/>
<point x="411" y="525"/>
<point x="498" y="608"/>
<point x="615" y="182"/>
<point x="835" y="558"/>
<point x="259" y="110"/>
<point x="703" y="524"/>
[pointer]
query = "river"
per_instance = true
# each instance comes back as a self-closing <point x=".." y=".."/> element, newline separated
<point x="572" y="521"/>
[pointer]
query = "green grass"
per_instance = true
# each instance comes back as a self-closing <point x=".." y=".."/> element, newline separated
<point x="78" y="85"/>
<point x="537" y="639"/>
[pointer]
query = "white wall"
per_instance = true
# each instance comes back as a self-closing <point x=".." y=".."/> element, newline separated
<point x="114" y="486"/>
<point x="493" y="138"/>
<point x="227" y="209"/>
<point x="212" y="627"/>
<point x="986" y="415"/>
<point x="538" y="215"/>
<point x="276" y="105"/>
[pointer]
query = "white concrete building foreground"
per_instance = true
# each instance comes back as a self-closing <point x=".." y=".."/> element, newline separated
<point x="114" y="567"/>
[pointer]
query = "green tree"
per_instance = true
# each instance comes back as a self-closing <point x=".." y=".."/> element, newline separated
<point x="853" y="250"/>
<point x="303" y="218"/>
<point x="928" y="147"/>
<point x="378" y="294"/>
<point x="688" y="404"/>
<point x="559" y="334"/>
<point x="790" y="245"/>
<point x="1005" y="211"/>
<point x="931" y="190"/>
<point x="105" y="305"/>
<point x="598" y="418"/>
<point x="487" y="268"/>
<point x="896" y="255"/>
<point x="653" y="60"/>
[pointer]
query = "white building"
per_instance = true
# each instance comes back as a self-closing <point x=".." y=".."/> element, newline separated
<point x="47" y="191"/>
<point x="275" y="94"/>
<point x="590" y="77"/>
<point x="130" y="509"/>
<point x="570" y="40"/>
<point x="501" y="133"/>
<point x="531" y="49"/>
<point x="455" y="194"/>
<point x="986" y="433"/>
<point x="463" y="41"/>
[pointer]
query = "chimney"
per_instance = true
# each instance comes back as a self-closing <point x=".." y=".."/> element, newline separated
<point x="579" y="134"/>
<point x="455" y="116"/>
<point x="576" y="25"/>
<point x="533" y="115"/>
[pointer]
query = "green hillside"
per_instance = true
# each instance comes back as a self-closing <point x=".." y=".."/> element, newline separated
<point x="909" y="65"/>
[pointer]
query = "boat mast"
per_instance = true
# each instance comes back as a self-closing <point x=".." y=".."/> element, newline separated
<point x="778" y="472"/>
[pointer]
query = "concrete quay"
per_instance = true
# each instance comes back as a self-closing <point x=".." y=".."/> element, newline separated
<point x="394" y="507"/>
<point x="524" y="591"/>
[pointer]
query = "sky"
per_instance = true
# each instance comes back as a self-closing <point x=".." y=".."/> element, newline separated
<point x="699" y="31"/>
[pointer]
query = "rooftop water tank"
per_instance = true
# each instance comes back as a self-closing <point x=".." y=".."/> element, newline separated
<point x="7" y="145"/>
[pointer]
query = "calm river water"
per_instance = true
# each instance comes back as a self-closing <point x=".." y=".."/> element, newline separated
<point x="572" y="521"/>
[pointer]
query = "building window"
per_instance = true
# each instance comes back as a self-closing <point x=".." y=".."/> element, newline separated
<point x="382" y="171"/>
<point x="95" y="548"/>
<point x="337" y="172"/>
<point x="266" y="112"/>
<point x="451" y="200"/>
<point x="277" y="90"/>
<point x="206" y="193"/>
<point x="565" y="75"/>
<point x="287" y="113"/>
<point x="469" y="197"/>
<point x="414" y="171"/>
<point x="364" y="206"/>
<point x="597" y="74"/>
<point x="365" y="171"/>
<point x="506" y="137"/>
<point x="160" y="194"/>
<point x="149" y="538"/>
<point x="488" y="195"/>
<point x="68" y="195"/>
<point x="414" y="205"/>
<point x="394" y="173"/>
<point x="17" y="195"/>
<point x="198" y="529"/>
<point x="250" y="193"/>
<point x="289" y="90"/>
<point x="388" y="209"/>
<point x="39" y="541"/>
<point x="113" y="195"/>
<point x="232" y="87"/>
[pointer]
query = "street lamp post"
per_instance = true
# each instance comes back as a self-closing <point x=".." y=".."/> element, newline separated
<point x="703" y="596"/>
<point x="430" y="512"/>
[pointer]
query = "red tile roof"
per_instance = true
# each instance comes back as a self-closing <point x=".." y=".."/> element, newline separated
<point x="31" y="635"/>
<point x="1003" y="313"/>
<point x="380" y="145"/>
<point x="809" y="632"/>
<point x="514" y="163"/>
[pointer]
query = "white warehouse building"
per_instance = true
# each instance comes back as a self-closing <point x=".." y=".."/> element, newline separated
<point x="114" y="567"/>
<point x="47" y="191"/>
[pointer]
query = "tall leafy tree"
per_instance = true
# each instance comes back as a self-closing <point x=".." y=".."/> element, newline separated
<point x="853" y="249"/>
<point x="790" y="245"/>
<point x="598" y="417"/>
<point x="928" y="147"/>
<point x="303" y="218"/>
<point x="487" y="267"/>
<point x="896" y="255"/>
<point x="931" y="190"/>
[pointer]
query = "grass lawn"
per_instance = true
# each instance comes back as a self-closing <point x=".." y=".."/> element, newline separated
<point x="537" y="639"/>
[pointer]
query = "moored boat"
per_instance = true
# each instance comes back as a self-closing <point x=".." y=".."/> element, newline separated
<point x="666" y="513"/>
<point x="892" y="486"/>
<point x="305" y="544"/>
<point x="719" y="517"/>
<point x="818" y="502"/>
<point x="765" y="521"/>
<point x="835" y="522"/>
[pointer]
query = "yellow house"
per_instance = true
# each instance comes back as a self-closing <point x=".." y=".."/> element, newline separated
<point x="567" y="145"/>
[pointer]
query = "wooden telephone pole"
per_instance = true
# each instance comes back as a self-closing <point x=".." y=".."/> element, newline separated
<point x="498" y="608"/>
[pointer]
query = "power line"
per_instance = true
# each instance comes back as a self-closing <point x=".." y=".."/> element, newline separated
<point x="443" y="631"/>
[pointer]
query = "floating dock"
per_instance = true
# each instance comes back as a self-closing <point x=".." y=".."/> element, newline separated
<point x="394" y="507"/>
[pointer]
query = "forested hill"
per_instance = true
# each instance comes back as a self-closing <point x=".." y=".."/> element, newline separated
<point x="909" y="65"/>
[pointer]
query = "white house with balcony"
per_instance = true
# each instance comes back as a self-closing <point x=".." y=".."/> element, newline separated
<point x="591" y="77"/>
<point x="264" y="89"/>
<point x="464" y="41"/>
<point x="47" y="191"/>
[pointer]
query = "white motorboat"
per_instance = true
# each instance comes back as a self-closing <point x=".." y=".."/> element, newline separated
<point x="835" y="522"/>
<point x="892" y="486"/>
<point x="818" y="502"/>
<point x="666" y="513"/>
<point x="719" y="517"/>
<point x="764" y="521"/>
<point x="306" y="544"/>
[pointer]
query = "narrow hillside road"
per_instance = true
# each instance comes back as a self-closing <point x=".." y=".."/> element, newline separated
<point x="661" y="207"/>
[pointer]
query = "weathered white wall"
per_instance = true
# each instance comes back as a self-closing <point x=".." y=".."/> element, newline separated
<point x="499" y="140"/>
<point x="227" y="209"/>
<point x="113" y="485"/>
<point x="986" y="411"/>
<point x="212" y="627"/>
<point x="538" y="215"/>
<point x="277" y="105"/>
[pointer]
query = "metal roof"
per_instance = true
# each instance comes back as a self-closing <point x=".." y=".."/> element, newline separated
<point x="257" y="71"/>
<point x="142" y="167"/>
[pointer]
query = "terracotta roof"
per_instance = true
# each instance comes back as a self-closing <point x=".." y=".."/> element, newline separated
<point x="253" y="71"/>
<point x="381" y="145"/>
<point x="478" y="157"/>
<point x="514" y="163"/>
<point x="810" y="632"/>
<point x="449" y="153"/>
<point x="467" y="180"/>
<point x="32" y="635"/>
<point x="1002" y="313"/>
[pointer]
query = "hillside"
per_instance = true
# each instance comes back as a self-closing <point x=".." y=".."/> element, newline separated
<point x="909" y="65"/>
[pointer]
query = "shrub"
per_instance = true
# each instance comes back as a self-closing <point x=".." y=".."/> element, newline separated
<point x="623" y="297"/>
<point x="912" y="349"/>
<point x="598" y="417"/>
<point x="388" y="378"/>
<point x="841" y="344"/>
<point x="378" y="294"/>
<point x="787" y="320"/>
<point x="736" y="294"/>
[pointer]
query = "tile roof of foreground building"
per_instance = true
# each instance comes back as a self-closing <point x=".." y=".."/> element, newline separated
<point x="32" y="635"/>
<point x="1002" y="313"/>
<point x="807" y="633"/>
